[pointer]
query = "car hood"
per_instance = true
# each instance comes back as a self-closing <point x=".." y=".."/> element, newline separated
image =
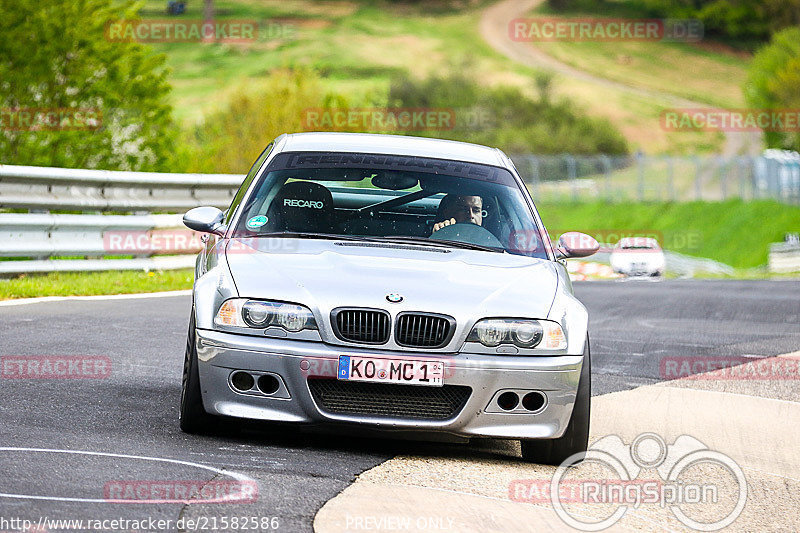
<point x="325" y="274"/>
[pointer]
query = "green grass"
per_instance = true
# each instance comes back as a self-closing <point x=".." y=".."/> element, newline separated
<point x="91" y="283"/>
<point x="705" y="72"/>
<point x="359" y="46"/>
<point x="734" y="232"/>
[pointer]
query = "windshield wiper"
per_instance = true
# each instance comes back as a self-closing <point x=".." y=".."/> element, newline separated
<point x="308" y="235"/>
<point x="442" y="243"/>
<point x="395" y="238"/>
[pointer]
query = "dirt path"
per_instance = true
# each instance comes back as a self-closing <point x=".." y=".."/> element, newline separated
<point x="494" y="30"/>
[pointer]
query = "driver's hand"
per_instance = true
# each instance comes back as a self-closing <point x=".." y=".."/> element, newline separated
<point x="440" y="225"/>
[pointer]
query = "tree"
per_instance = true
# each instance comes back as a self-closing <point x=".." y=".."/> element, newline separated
<point x="743" y="21"/>
<point x="558" y="5"/>
<point x="231" y="139"/>
<point x="773" y="82"/>
<point x="55" y="55"/>
<point x="208" y="16"/>
<point x="507" y="118"/>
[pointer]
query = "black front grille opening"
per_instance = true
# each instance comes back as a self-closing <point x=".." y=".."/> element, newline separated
<point x="362" y="325"/>
<point x="389" y="400"/>
<point x="422" y="330"/>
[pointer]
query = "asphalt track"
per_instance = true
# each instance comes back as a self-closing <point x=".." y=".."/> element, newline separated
<point x="133" y="412"/>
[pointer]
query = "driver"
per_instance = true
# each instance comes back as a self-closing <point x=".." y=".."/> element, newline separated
<point x="455" y="209"/>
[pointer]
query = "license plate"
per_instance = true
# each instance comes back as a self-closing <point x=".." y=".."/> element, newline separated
<point x="377" y="370"/>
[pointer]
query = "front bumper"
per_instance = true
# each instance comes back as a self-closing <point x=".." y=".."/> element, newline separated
<point x="295" y="362"/>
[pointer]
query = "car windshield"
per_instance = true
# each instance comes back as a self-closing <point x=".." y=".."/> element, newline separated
<point x="391" y="198"/>
<point x="637" y="243"/>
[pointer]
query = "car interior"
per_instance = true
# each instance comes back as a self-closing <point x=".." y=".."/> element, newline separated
<point x="383" y="204"/>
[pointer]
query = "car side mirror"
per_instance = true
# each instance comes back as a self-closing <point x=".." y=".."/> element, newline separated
<point x="576" y="244"/>
<point x="205" y="219"/>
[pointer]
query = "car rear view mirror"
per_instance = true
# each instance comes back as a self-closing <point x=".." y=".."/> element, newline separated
<point x="205" y="219"/>
<point x="576" y="244"/>
<point x="394" y="181"/>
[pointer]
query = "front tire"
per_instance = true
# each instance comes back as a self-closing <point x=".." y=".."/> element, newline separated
<point x="576" y="436"/>
<point x="193" y="417"/>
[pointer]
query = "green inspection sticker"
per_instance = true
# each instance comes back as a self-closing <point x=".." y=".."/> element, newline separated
<point x="256" y="222"/>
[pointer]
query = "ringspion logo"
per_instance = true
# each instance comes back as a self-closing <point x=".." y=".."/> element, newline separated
<point x="702" y="488"/>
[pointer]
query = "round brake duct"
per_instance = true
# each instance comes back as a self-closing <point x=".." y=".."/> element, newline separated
<point x="268" y="384"/>
<point x="508" y="401"/>
<point x="533" y="401"/>
<point x="242" y="381"/>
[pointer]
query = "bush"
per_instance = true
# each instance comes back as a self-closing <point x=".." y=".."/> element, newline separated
<point x="55" y="61"/>
<point x="745" y="20"/>
<point x="774" y="82"/>
<point x="742" y="23"/>
<point x="506" y="118"/>
<point x="231" y="139"/>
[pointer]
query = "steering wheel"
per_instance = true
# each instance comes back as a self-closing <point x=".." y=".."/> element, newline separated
<point x="468" y="233"/>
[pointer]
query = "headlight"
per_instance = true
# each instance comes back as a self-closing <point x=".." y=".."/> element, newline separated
<point x="262" y="314"/>
<point x="256" y="314"/>
<point x="522" y="333"/>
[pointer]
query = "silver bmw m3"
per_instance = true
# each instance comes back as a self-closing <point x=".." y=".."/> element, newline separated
<point x="390" y="283"/>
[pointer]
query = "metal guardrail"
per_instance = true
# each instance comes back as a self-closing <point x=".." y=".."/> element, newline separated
<point x="676" y="263"/>
<point x="31" y="239"/>
<point x="96" y="265"/>
<point x="785" y="256"/>
<point x="775" y="174"/>
<point x="38" y="237"/>
<point x="107" y="178"/>
<point x="46" y="188"/>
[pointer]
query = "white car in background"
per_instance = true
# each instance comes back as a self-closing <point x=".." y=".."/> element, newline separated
<point x="638" y="256"/>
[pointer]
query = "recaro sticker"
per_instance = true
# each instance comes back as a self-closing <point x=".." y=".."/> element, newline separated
<point x="291" y="202"/>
